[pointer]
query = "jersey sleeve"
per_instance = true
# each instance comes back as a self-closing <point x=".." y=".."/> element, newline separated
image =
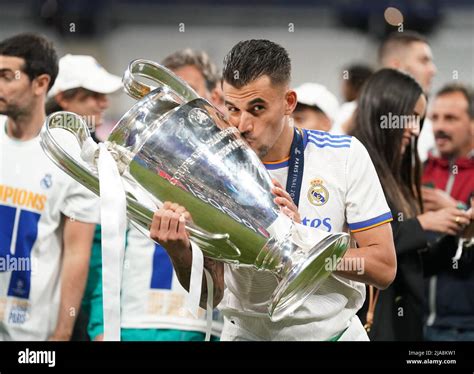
<point x="80" y="203"/>
<point x="366" y="206"/>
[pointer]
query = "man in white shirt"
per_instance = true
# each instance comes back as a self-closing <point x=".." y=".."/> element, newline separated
<point x="46" y="219"/>
<point x="410" y="52"/>
<point x="339" y="187"/>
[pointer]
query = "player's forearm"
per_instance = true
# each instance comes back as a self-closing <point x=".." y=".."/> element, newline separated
<point x="74" y="276"/>
<point x="368" y="265"/>
<point x="216" y="270"/>
<point x="182" y="266"/>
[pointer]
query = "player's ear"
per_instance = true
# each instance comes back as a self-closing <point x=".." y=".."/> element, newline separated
<point x="41" y="84"/>
<point x="291" y="101"/>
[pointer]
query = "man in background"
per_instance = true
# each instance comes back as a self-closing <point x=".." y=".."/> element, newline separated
<point x="46" y="218"/>
<point x="82" y="87"/>
<point x="197" y="69"/>
<point x="450" y="175"/>
<point x="410" y="52"/>
<point x="353" y="78"/>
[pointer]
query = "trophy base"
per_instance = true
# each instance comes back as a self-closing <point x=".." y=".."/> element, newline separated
<point x="306" y="276"/>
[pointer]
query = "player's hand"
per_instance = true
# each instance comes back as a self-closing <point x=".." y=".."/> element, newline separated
<point x="285" y="202"/>
<point x="168" y="229"/>
<point x="436" y="199"/>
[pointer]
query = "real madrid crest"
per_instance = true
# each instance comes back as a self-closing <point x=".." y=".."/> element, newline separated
<point x="318" y="194"/>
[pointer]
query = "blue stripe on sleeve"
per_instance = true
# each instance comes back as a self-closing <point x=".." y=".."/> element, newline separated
<point x="327" y="144"/>
<point x="370" y="222"/>
<point x="325" y="139"/>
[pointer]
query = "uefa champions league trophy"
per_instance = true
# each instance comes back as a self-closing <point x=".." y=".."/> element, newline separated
<point x="174" y="146"/>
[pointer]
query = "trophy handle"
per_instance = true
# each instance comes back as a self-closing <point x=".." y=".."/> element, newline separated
<point x="159" y="74"/>
<point x="71" y="122"/>
<point x="75" y="125"/>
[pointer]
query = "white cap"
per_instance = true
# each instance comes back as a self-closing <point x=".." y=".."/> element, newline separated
<point x="315" y="94"/>
<point x="84" y="71"/>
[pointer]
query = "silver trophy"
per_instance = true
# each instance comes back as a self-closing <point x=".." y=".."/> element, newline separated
<point x="174" y="146"/>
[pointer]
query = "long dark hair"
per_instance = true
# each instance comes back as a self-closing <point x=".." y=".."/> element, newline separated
<point x="391" y="94"/>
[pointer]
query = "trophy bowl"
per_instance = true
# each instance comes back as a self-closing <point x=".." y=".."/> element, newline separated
<point x="174" y="146"/>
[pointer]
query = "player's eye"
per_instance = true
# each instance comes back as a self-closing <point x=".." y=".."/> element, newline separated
<point x="232" y="109"/>
<point x="258" y="108"/>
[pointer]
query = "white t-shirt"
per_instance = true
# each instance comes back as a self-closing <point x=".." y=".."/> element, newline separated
<point x="34" y="193"/>
<point x="152" y="296"/>
<point x="341" y="170"/>
<point x="426" y="140"/>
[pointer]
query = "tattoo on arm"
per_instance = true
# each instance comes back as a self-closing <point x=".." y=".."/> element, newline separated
<point x="216" y="269"/>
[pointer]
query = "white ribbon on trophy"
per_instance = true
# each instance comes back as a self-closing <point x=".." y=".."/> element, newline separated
<point x="113" y="224"/>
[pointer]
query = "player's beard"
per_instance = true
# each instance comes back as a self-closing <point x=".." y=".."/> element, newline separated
<point x="262" y="151"/>
<point x="12" y="111"/>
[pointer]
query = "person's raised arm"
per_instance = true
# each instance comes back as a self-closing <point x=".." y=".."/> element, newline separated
<point x="168" y="229"/>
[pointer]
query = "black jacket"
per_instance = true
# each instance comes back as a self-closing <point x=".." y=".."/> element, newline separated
<point x="398" y="313"/>
<point x="454" y="287"/>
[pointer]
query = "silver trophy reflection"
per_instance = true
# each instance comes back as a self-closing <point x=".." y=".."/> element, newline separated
<point x="173" y="145"/>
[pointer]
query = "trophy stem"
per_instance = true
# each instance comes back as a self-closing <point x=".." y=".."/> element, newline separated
<point x="300" y="272"/>
<point x="278" y="256"/>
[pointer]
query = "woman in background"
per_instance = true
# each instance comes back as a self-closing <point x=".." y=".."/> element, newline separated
<point x="391" y="110"/>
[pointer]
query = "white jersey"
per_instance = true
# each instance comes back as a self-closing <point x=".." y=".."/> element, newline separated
<point x="340" y="188"/>
<point x="426" y="140"/>
<point x="34" y="193"/>
<point x="152" y="296"/>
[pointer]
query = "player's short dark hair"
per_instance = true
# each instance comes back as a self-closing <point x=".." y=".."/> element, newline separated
<point x="37" y="51"/>
<point x="466" y="90"/>
<point x="399" y="39"/>
<point x="251" y="59"/>
<point x="199" y="59"/>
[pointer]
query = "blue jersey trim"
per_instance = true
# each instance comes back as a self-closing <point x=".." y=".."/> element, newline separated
<point x="329" y="135"/>
<point x="325" y="139"/>
<point x="386" y="217"/>
<point x="327" y="144"/>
